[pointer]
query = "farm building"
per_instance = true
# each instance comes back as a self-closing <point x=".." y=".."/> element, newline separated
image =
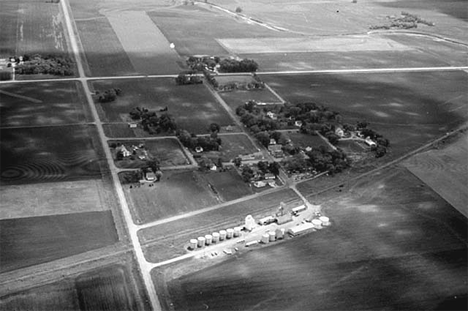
<point x="298" y="123"/>
<point x="150" y="176"/>
<point x="339" y="131"/>
<point x="370" y="142"/>
<point x="125" y="151"/>
<point x="300" y="229"/>
<point x="269" y="176"/>
<point x="259" y="184"/>
<point x="276" y="150"/>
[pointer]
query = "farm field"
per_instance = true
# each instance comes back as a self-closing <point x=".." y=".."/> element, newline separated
<point x="235" y="99"/>
<point x="166" y="241"/>
<point x="167" y="151"/>
<point x="192" y="106"/>
<point x="30" y="27"/>
<point x="178" y="192"/>
<point x="119" y="130"/>
<point x="31" y="241"/>
<point x="228" y="185"/>
<point x="393" y="244"/>
<point x="55" y="198"/>
<point x="30" y="155"/>
<point x="43" y="103"/>
<point x="445" y="171"/>
<point x="113" y="287"/>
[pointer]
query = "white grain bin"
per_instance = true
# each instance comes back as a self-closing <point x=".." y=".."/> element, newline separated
<point x="265" y="238"/>
<point x="237" y="231"/>
<point x="193" y="244"/>
<point x="325" y="220"/>
<point x="201" y="241"/>
<point x="272" y="236"/>
<point x="249" y="223"/>
<point x="317" y="223"/>
<point x="279" y="233"/>
<point x="229" y="233"/>
<point x="222" y="235"/>
<point x="208" y="239"/>
<point x="215" y="237"/>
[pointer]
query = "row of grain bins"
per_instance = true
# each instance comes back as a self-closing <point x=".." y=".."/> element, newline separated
<point x="214" y="238"/>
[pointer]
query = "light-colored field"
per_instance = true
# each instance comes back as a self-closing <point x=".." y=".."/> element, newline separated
<point x="52" y="198"/>
<point x="446" y="172"/>
<point x="292" y="45"/>
<point x="145" y="45"/>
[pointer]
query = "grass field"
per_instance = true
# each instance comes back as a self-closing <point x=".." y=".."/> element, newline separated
<point x="30" y="155"/>
<point x="228" y="185"/>
<point x="54" y="198"/>
<point x="192" y="106"/>
<point x="43" y="103"/>
<point x="237" y="98"/>
<point x="445" y="171"/>
<point x="29" y="27"/>
<point x="178" y="192"/>
<point x="393" y="244"/>
<point x="167" y="240"/>
<point x="235" y="145"/>
<point x="166" y="150"/>
<point x="30" y="241"/>
<point x="304" y="140"/>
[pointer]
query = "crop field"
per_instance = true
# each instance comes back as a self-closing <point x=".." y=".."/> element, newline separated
<point x="30" y="241"/>
<point x="177" y="193"/>
<point x="166" y="241"/>
<point x="237" y="98"/>
<point x="193" y="106"/>
<point x="397" y="105"/>
<point x="235" y="145"/>
<point x="113" y="287"/>
<point x="43" y="103"/>
<point x="228" y="185"/>
<point x="31" y="155"/>
<point x="445" y="171"/>
<point x="54" y="198"/>
<point x="29" y="27"/>
<point x="393" y="244"/>
<point x="167" y="151"/>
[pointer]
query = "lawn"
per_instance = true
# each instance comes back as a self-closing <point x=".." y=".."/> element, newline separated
<point x="177" y="193"/>
<point x="235" y="145"/>
<point x="166" y="241"/>
<point x="228" y="185"/>
<point x="237" y="98"/>
<point x="30" y="241"/>
<point x="304" y="140"/>
<point x="193" y="106"/>
<point x="393" y="244"/>
<point x="167" y="151"/>
<point x="43" y="103"/>
<point x="62" y="153"/>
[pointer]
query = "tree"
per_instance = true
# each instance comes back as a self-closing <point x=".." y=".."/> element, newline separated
<point x="263" y="138"/>
<point x="237" y="162"/>
<point x="153" y="165"/>
<point x="158" y="175"/>
<point x="263" y="166"/>
<point x="214" y="127"/>
<point x="247" y="173"/>
<point x="362" y="124"/>
<point x="333" y="138"/>
<point x="238" y="9"/>
<point x="274" y="168"/>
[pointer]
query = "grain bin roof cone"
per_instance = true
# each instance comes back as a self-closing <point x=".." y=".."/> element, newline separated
<point x="325" y="220"/>
<point x="201" y="241"/>
<point x="193" y="244"/>
<point x="222" y="235"/>
<point x="208" y="239"/>
<point x="317" y="223"/>
<point x="249" y="223"/>
<point x="229" y="233"/>
<point x="272" y="236"/>
<point x="265" y="238"/>
<point x="215" y="237"/>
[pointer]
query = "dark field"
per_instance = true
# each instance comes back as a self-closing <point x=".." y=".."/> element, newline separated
<point x="31" y="155"/>
<point x="178" y="192"/>
<point x="166" y="241"/>
<point x="192" y="106"/>
<point x="228" y="185"/>
<point x="30" y="241"/>
<point x="393" y="244"/>
<point x="43" y="103"/>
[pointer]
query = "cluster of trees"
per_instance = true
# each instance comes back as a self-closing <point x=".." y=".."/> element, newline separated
<point x="108" y="95"/>
<point x="264" y="167"/>
<point x="192" y="141"/>
<point x="190" y="77"/>
<point x="137" y="175"/>
<point x="405" y="21"/>
<point x="232" y="65"/>
<point x="380" y="149"/>
<point x="50" y="64"/>
<point x="151" y="122"/>
<point x="202" y="63"/>
<point x="319" y="160"/>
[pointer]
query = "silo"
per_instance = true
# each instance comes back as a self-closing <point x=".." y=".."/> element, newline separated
<point x="222" y="235"/>
<point x="208" y="239"/>
<point x="237" y="231"/>
<point x="265" y="238"/>
<point x="215" y="237"/>
<point x="317" y="223"/>
<point x="193" y="244"/>
<point x="272" y="236"/>
<point x="229" y="233"/>
<point x="201" y="241"/>
<point x="325" y="220"/>
<point x="279" y="234"/>
<point x="249" y="223"/>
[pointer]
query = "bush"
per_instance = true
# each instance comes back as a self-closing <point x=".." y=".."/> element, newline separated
<point x="238" y="9"/>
